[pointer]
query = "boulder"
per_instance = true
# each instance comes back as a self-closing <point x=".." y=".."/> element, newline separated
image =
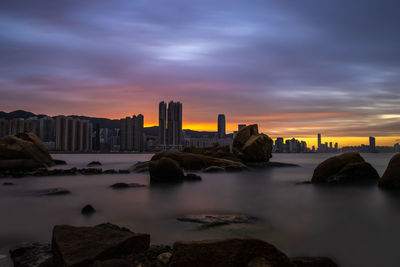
<point x="347" y="168"/>
<point x="140" y="167"/>
<point x="32" y="255"/>
<point x="113" y="263"/>
<point x="251" y="146"/>
<point x="165" y="170"/>
<point x="391" y="177"/>
<point x="165" y="257"/>
<point x="192" y="177"/>
<point x="226" y="252"/>
<point x="88" y="210"/>
<point x="313" y="262"/>
<point x="196" y="162"/>
<point x="94" y="163"/>
<point x="214" y="169"/>
<point x="23" y="152"/>
<point x="60" y="162"/>
<point x="125" y="185"/>
<point x="83" y="246"/>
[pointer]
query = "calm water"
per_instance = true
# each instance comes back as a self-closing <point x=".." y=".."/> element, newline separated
<point x="356" y="226"/>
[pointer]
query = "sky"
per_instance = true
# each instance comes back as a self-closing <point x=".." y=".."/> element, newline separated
<point x="297" y="68"/>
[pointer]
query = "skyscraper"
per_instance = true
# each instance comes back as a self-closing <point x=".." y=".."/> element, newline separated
<point x="131" y="133"/>
<point x="279" y="145"/>
<point x="319" y="141"/>
<point x="162" y="122"/>
<point x="241" y="126"/>
<point x="221" y="126"/>
<point x="174" y="124"/>
<point x="372" y="144"/>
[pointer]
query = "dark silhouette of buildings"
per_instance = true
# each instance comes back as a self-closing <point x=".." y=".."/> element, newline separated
<point x="162" y="123"/>
<point x="131" y="133"/>
<point x="221" y="126"/>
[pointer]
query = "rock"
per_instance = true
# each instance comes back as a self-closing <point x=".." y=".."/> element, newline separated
<point x="196" y="162"/>
<point x="150" y="257"/>
<point x="192" y="177"/>
<point x="8" y="183"/>
<point x="90" y="171"/>
<point x="347" y="168"/>
<point x="211" y="220"/>
<point x="94" y="163"/>
<point x="110" y="171"/>
<point x="23" y="152"/>
<point x="53" y="192"/>
<point x="32" y="255"/>
<point x="140" y="167"/>
<point x="214" y="169"/>
<point x="391" y="177"/>
<point x="259" y="262"/>
<point x="165" y="257"/>
<point x="165" y="170"/>
<point x="251" y="146"/>
<point x="227" y="252"/>
<point x="123" y="171"/>
<point x="313" y="262"/>
<point x="271" y="164"/>
<point x="113" y="263"/>
<point x="88" y="210"/>
<point x="59" y="162"/>
<point x="125" y="185"/>
<point x="83" y="246"/>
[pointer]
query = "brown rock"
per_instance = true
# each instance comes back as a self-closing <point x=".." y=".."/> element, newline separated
<point x="24" y="151"/>
<point x="165" y="170"/>
<point x="226" y="252"/>
<point x="313" y="262"/>
<point x="251" y="146"/>
<point x="113" y="263"/>
<point x="82" y="246"/>
<point x="349" y="167"/>
<point x="391" y="177"/>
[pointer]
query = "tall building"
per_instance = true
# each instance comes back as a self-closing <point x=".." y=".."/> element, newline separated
<point x="4" y="129"/>
<point x="241" y="126"/>
<point x="372" y="144"/>
<point x="138" y="136"/>
<point x="131" y="133"/>
<point x="162" y="122"/>
<point x="279" y="145"/>
<point x="174" y="124"/>
<point x="71" y="134"/>
<point x="319" y="141"/>
<point x="221" y="126"/>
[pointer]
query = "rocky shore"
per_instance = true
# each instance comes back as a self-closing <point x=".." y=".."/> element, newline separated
<point x="111" y="245"/>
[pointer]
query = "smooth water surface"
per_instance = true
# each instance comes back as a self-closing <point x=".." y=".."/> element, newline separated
<point x="355" y="226"/>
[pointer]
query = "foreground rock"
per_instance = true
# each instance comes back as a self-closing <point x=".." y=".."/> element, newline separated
<point x="391" y="177"/>
<point x="23" y="152"/>
<point x="313" y="262"/>
<point x="32" y="255"/>
<point x="348" y="168"/>
<point x="165" y="170"/>
<point x="94" y="163"/>
<point x="227" y="252"/>
<point x="192" y="177"/>
<point x="88" y="210"/>
<point x="125" y="185"/>
<point x="197" y="162"/>
<point x="83" y="246"/>
<point x="211" y="220"/>
<point x="251" y="146"/>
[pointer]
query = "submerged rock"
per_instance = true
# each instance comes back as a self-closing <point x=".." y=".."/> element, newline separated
<point x="227" y="252"/>
<point x="140" y="167"/>
<point x="391" y="177"/>
<point x="313" y="262"/>
<point x="123" y="171"/>
<point x="8" y="183"/>
<point x="53" y="192"/>
<point x="60" y="162"/>
<point x="32" y="255"/>
<point x="94" y="163"/>
<point x="211" y="220"/>
<point x="113" y="263"/>
<point x="23" y="152"/>
<point x="165" y="170"/>
<point x="192" y="177"/>
<point x="110" y="171"/>
<point x="213" y="169"/>
<point x="83" y="246"/>
<point x="251" y="146"/>
<point x="347" y="168"/>
<point x="88" y="210"/>
<point x="125" y="185"/>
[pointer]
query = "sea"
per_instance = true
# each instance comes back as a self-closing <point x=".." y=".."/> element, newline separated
<point x="353" y="225"/>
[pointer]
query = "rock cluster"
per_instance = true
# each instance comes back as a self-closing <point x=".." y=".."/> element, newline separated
<point x="23" y="152"/>
<point x="60" y="172"/>
<point x="111" y="245"/>
<point x="167" y="170"/>
<point x="347" y="168"/>
<point x="391" y="177"/>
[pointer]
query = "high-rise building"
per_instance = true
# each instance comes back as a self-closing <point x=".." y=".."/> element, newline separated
<point x="336" y="147"/>
<point x="72" y="134"/>
<point x="4" y="128"/>
<point x="61" y="133"/>
<point x="372" y="144"/>
<point x="221" y="126"/>
<point x="138" y="136"/>
<point x="131" y="133"/>
<point x="241" y="126"/>
<point x="279" y="145"/>
<point x="174" y="124"/>
<point x="162" y="122"/>
<point x="319" y="141"/>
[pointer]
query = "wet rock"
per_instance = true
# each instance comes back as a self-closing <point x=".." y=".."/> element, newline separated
<point x="88" y="210"/>
<point x="251" y="146"/>
<point x="211" y="220"/>
<point x="83" y="246"/>
<point x="8" y="183"/>
<point x="32" y="255"/>
<point x="52" y="192"/>
<point x="90" y="171"/>
<point x="125" y="185"/>
<point x="197" y="162"/>
<point x="347" y="168"/>
<point x="151" y="256"/>
<point x="227" y="252"/>
<point x="165" y="257"/>
<point x="259" y="262"/>
<point x="192" y="177"/>
<point x="123" y="171"/>
<point x="94" y="163"/>
<point x="60" y="162"/>
<point x="391" y="176"/>
<point x="313" y="262"/>
<point x="110" y="171"/>
<point x="113" y="263"/>
<point x="165" y="170"/>
<point x="140" y="167"/>
<point x="271" y="164"/>
<point x="23" y="152"/>
<point x="214" y="169"/>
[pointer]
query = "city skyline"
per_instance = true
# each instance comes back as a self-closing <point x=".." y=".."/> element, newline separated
<point x="283" y="65"/>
